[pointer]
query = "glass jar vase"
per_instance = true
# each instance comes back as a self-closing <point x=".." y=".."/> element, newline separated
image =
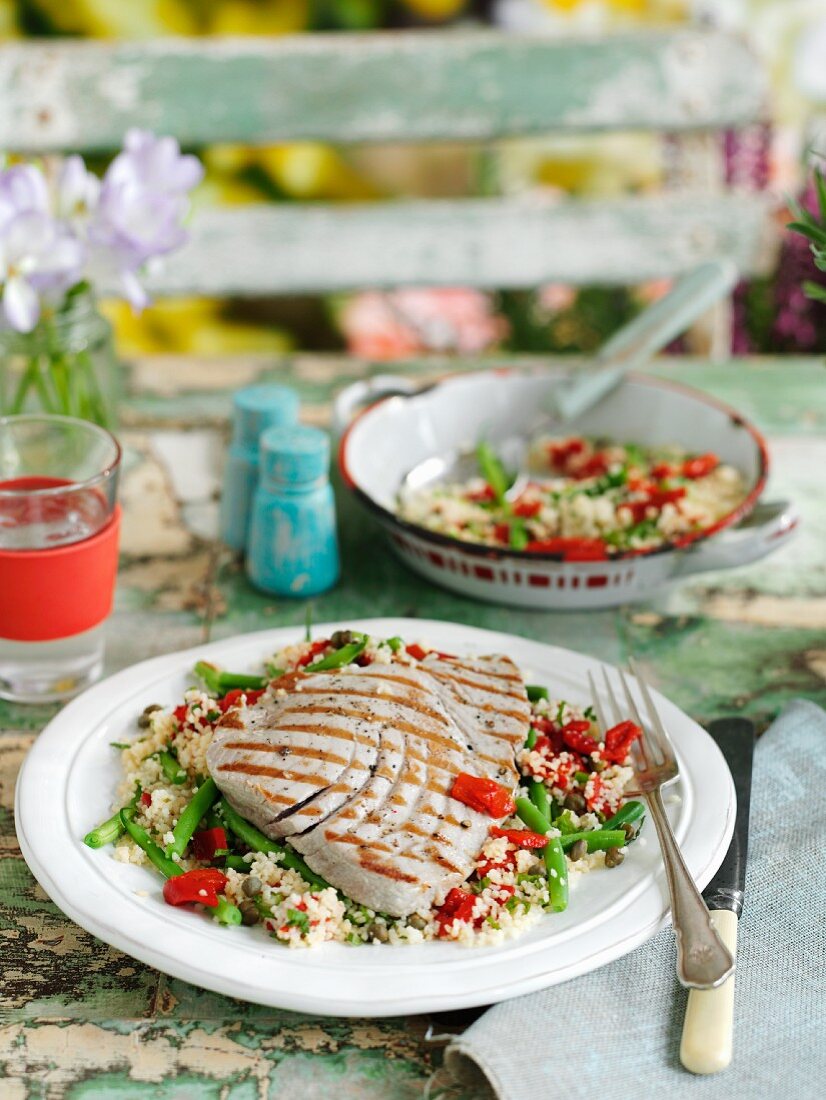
<point x="65" y="365"/>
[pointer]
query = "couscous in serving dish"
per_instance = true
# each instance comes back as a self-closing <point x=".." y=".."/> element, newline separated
<point x="406" y="426"/>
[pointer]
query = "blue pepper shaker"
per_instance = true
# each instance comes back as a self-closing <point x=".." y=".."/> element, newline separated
<point x="293" y="548"/>
<point x="254" y="409"/>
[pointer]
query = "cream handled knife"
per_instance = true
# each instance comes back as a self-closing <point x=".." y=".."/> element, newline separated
<point x="706" y="1045"/>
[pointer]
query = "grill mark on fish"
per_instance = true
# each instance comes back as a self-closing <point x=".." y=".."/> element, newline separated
<point x="272" y="773"/>
<point x="298" y="750"/>
<point x="328" y="731"/>
<point x="281" y="799"/>
<point x="510" y="677"/>
<point x="385" y="720"/>
<point x="408" y="704"/>
<point x="231" y="720"/>
<point x="475" y="684"/>
<point x="385" y="869"/>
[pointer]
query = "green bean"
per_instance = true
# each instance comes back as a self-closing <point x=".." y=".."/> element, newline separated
<point x="395" y="643"/>
<point x="553" y="854"/>
<point x="197" y="807"/>
<point x="557" y="867"/>
<point x="630" y="812"/>
<point x="492" y="471"/>
<point x="531" y="816"/>
<point x="535" y="692"/>
<point x="109" y="831"/>
<point x="172" y="770"/>
<point x="166" y="866"/>
<point x="530" y="740"/>
<point x="596" y="839"/>
<point x="258" y="842"/>
<point x="339" y="657"/>
<point x="236" y="863"/>
<point x="518" y="538"/>
<point x="225" y="912"/>
<point x="538" y="794"/>
<point x="219" y="682"/>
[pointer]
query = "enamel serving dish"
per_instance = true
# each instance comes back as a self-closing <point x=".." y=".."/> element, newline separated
<point x="405" y="425"/>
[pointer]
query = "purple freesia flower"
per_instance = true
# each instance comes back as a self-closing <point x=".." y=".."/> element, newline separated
<point x="140" y="210"/>
<point x="39" y="258"/>
<point x="22" y="189"/>
<point x="76" y="192"/>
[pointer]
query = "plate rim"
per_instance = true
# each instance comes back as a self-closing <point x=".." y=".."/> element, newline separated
<point x="128" y="680"/>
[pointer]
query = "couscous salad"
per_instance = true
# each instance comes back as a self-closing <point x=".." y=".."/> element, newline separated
<point x="366" y="790"/>
<point x="585" y="500"/>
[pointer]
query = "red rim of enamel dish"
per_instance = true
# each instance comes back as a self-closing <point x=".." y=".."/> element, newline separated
<point x="502" y="553"/>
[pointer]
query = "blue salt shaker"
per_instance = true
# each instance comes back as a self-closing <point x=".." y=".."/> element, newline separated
<point x="293" y="548"/>
<point x="254" y="409"/>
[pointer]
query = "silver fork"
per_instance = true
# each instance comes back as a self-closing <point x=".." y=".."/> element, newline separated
<point x="703" y="960"/>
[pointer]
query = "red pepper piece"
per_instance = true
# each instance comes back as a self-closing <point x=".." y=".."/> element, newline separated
<point x="146" y="798"/>
<point x="571" y="549"/>
<point x="484" y="865"/>
<point x="208" y="841"/>
<point x="701" y="466"/>
<point x="560" y="452"/>
<point x="482" y="496"/>
<point x="575" y="736"/>
<point x="522" y="838"/>
<point x="663" y="470"/>
<point x="502" y="533"/>
<point x="659" y="497"/>
<point x="179" y="714"/>
<point x="638" y="509"/>
<point x="419" y="654"/>
<point x="527" y="509"/>
<point x="232" y="698"/>
<point x="618" y="741"/>
<point x="201" y="885"/>
<point x="458" y="905"/>
<point x="595" y="466"/>
<point x="484" y="795"/>
<point x="313" y="651"/>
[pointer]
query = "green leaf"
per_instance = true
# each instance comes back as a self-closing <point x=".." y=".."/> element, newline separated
<point x="492" y="471"/>
<point x="814" y="291"/>
<point x="820" y="185"/>
<point x="296" y="918"/>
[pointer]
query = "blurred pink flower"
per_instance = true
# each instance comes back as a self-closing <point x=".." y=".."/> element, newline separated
<point x="554" y="297"/>
<point x="400" y="323"/>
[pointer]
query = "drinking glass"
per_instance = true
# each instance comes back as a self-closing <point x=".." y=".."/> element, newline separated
<point x="59" y="529"/>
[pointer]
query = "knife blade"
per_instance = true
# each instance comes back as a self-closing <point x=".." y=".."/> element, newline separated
<point x="706" y="1045"/>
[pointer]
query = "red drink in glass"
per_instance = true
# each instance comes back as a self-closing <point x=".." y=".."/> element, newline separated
<point x="59" y="527"/>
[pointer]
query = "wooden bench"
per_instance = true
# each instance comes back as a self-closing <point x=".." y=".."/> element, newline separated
<point x="455" y="86"/>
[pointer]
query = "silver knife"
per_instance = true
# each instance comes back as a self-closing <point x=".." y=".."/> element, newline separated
<point x="707" y="1044"/>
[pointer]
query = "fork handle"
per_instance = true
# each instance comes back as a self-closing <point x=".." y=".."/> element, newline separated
<point x="703" y="960"/>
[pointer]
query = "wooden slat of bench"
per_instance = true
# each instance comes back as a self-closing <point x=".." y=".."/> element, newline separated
<point x="371" y="88"/>
<point x="477" y="242"/>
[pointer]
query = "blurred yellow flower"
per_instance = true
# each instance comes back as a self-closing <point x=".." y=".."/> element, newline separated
<point x="260" y="17"/>
<point x="435" y="9"/>
<point x="120" y="18"/>
<point x="188" y="326"/>
<point x="310" y="171"/>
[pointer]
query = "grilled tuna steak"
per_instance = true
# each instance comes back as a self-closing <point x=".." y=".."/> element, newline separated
<point x="356" y="767"/>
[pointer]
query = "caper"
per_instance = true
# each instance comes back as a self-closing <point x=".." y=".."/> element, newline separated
<point x="341" y="638"/>
<point x="252" y="886"/>
<point x="598" y="765"/>
<point x="378" y="932"/>
<point x="145" y="719"/>
<point x="629" y="829"/>
<point x="249" y="912"/>
<point x="415" y="921"/>
<point x="614" y="857"/>
<point x="579" y="850"/>
<point x="575" y="802"/>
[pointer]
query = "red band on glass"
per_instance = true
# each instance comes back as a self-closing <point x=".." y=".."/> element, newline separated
<point x="51" y="594"/>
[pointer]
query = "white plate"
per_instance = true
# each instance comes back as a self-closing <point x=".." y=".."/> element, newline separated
<point x="66" y="786"/>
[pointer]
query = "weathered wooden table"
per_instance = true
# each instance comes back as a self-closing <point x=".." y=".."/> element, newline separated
<point x="82" y="1020"/>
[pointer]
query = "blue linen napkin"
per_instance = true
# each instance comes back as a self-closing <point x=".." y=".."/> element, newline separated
<point x="614" y="1034"/>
